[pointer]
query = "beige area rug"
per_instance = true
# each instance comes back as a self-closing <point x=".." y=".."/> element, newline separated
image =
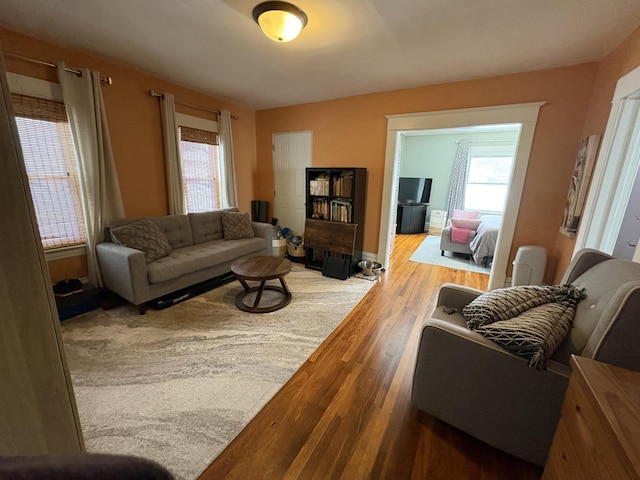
<point x="429" y="252"/>
<point x="177" y="385"/>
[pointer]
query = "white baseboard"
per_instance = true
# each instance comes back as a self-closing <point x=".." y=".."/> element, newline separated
<point x="371" y="257"/>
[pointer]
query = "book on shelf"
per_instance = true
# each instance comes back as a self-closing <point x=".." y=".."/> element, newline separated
<point x="342" y="184"/>
<point x="320" y="209"/>
<point x="320" y="185"/>
<point x="341" y="211"/>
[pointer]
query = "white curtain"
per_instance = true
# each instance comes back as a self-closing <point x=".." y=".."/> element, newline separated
<point x="458" y="178"/>
<point x="173" y="164"/>
<point x="101" y="199"/>
<point x="229" y="195"/>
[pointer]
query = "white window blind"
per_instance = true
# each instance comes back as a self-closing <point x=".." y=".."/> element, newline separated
<point x="51" y="168"/>
<point x="200" y="169"/>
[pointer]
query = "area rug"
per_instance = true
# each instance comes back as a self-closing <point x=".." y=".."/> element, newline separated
<point x="429" y="252"/>
<point x="177" y="385"/>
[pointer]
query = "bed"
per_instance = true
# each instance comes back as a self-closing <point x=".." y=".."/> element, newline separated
<point x="483" y="244"/>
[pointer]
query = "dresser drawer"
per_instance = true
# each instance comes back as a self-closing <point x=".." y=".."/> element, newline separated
<point x="586" y="443"/>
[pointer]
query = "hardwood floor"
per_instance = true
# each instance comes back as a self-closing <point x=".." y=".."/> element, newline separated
<point x="346" y="413"/>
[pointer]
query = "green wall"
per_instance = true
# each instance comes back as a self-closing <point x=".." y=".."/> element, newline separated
<point x="432" y="156"/>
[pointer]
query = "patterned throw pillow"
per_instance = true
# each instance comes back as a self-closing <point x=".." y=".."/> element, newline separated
<point x="236" y="225"/>
<point x="144" y="235"/>
<point x="505" y="303"/>
<point x="535" y="334"/>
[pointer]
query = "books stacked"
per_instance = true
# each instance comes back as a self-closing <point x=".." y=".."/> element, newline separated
<point x="342" y="184"/>
<point x="319" y="186"/>
<point x="341" y="211"/>
<point x="320" y="209"/>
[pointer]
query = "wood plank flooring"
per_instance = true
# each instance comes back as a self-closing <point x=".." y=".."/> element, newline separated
<point x="346" y="413"/>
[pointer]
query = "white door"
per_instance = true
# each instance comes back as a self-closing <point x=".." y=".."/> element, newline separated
<point x="291" y="155"/>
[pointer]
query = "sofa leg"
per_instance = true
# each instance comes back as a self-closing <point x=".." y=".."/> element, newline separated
<point x="442" y="253"/>
<point x="142" y="308"/>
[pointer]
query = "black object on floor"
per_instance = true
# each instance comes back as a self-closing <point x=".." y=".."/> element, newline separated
<point x="76" y="300"/>
<point x="336" y="267"/>
<point x="190" y="292"/>
<point x="260" y="211"/>
<point x="64" y="288"/>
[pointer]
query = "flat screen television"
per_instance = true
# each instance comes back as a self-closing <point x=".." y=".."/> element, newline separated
<point x="414" y="190"/>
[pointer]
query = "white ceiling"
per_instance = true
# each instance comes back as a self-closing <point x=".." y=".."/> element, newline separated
<point x="349" y="47"/>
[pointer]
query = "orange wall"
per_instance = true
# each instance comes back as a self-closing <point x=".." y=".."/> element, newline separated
<point x="618" y="63"/>
<point x="352" y="132"/>
<point x="135" y="127"/>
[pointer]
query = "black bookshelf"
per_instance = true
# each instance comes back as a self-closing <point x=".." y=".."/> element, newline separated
<point x="334" y="197"/>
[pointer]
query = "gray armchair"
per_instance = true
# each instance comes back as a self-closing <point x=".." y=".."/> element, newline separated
<point x="448" y="245"/>
<point x="475" y="385"/>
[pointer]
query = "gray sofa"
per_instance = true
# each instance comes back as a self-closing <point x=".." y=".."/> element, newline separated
<point x="199" y="252"/>
<point x="474" y="384"/>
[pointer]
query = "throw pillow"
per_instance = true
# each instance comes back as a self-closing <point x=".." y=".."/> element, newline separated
<point x="464" y="214"/>
<point x="236" y="225"/>
<point x="468" y="223"/>
<point x="144" y="235"/>
<point x="534" y="334"/>
<point x="505" y="303"/>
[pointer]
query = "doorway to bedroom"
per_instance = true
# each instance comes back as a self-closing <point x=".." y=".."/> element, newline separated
<point x="469" y="170"/>
<point x="524" y="114"/>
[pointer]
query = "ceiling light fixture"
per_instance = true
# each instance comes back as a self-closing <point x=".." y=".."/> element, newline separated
<point x="280" y="21"/>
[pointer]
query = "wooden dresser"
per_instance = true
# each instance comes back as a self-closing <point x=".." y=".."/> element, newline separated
<point x="598" y="436"/>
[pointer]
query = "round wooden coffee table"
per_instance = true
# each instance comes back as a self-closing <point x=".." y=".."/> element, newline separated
<point x="261" y="269"/>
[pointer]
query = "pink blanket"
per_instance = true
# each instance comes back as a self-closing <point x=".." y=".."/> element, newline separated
<point x="460" y="235"/>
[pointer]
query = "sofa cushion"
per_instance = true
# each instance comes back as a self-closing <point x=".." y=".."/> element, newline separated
<point x="144" y="235"/>
<point x="202" y="255"/>
<point x="236" y="225"/>
<point x="601" y="284"/>
<point x="177" y="229"/>
<point x="207" y="226"/>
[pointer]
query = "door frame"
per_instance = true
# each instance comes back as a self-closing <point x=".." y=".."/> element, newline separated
<point x="525" y="114"/>
<point x="614" y="172"/>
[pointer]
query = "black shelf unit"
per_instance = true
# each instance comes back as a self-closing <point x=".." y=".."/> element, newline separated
<point x="411" y="217"/>
<point x="334" y="196"/>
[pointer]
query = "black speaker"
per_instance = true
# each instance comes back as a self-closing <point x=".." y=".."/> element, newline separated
<point x="259" y="211"/>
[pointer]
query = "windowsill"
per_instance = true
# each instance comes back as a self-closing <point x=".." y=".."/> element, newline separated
<point x="65" y="252"/>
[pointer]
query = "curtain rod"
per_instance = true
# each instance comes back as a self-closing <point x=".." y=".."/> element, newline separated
<point x="107" y="80"/>
<point x="153" y="93"/>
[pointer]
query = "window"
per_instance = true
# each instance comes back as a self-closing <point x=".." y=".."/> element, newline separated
<point x="51" y="168"/>
<point x="199" y="153"/>
<point x="488" y="174"/>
